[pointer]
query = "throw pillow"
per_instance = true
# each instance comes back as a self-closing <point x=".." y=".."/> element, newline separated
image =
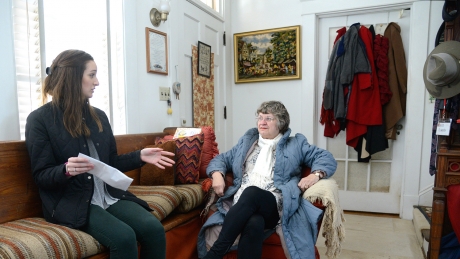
<point x="209" y="149"/>
<point x="152" y="175"/>
<point x="188" y="157"/>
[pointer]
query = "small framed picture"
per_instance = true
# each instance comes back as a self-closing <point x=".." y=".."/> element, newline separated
<point x="157" y="51"/>
<point x="204" y="59"/>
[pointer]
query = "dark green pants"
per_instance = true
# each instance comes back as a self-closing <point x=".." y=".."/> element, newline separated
<point x="121" y="225"/>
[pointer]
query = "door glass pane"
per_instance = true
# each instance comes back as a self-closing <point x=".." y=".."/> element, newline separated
<point x="352" y="154"/>
<point x="339" y="175"/>
<point x="380" y="177"/>
<point x="336" y="146"/>
<point x="357" y="176"/>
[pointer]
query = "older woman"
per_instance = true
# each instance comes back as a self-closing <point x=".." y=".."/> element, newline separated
<point x="266" y="164"/>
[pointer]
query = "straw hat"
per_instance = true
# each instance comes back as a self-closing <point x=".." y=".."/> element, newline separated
<point x="441" y="72"/>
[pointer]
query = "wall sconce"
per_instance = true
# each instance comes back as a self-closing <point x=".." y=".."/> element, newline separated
<point x="156" y="16"/>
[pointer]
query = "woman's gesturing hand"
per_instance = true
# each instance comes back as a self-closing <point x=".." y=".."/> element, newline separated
<point x="218" y="183"/>
<point x="78" y="165"/>
<point x="157" y="156"/>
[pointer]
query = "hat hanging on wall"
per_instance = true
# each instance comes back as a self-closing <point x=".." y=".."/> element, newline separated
<point x="441" y="72"/>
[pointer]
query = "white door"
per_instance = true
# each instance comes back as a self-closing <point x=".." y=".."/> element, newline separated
<point x="374" y="186"/>
<point x="199" y="24"/>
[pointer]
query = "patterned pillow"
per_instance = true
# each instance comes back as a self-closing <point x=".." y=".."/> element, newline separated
<point x="36" y="238"/>
<point x="162" y="199"/>
<point x="209" y="149"/>
<point x="192" y="196"/>
<point x="188" y="157"/>
<point x="152" y="175"/>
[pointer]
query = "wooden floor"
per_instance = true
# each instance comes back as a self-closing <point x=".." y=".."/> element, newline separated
<point x="371" y="214"/>
<point x="376" y="236"/>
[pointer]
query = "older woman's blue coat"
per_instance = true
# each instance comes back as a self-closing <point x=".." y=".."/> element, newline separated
<point x="300" y="217"/>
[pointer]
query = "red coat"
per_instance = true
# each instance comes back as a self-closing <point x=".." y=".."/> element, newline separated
<point x="364" y="106"/>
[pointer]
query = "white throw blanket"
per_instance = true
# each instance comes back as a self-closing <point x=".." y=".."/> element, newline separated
<point x="333" y="230"/>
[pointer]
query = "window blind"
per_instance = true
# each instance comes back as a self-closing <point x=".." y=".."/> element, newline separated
<point x="27" y="57"/>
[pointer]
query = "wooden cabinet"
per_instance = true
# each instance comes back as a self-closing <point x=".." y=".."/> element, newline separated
<point x="448" y="163"/>
<point x="448" y="173"/>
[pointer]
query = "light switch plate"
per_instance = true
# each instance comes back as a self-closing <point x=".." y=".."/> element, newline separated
<point x="165" y="93"/>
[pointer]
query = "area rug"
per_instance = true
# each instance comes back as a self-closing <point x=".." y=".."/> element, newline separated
<point x="426" y="211"/>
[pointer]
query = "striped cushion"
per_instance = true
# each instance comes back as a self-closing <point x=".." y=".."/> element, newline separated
<point x="192" y="196"/>
<point x="162" y="199"/>
<point x="188" y="157"/>
<point x="36" y="238"/>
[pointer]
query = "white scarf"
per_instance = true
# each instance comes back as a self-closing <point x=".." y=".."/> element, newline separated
<point x="262" y="173"/>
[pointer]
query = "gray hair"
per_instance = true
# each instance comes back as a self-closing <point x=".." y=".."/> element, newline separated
<point x="279" y="111"/>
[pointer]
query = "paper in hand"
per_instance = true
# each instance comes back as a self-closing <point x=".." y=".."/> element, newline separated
<point x="108" y="174"/>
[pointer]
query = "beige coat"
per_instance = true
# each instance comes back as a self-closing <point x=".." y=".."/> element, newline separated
<point x="395" y="109"/>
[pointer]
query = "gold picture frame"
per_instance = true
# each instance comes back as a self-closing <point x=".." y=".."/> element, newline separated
<point x="267" y="55"/>
<point x="157" y="51"/>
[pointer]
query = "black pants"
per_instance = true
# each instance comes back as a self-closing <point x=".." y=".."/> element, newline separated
<point x="255" y="211"/>
<point x="122" y="225"/>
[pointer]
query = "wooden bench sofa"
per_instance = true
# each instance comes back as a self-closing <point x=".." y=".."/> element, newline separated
<point x="20" y="210"/>
<point x="21" y="213"/>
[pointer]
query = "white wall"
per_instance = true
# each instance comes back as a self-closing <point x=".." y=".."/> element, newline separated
<point x="145" y="113"/>
<point x="248" y="16"/>
<point x="426" y="181"/>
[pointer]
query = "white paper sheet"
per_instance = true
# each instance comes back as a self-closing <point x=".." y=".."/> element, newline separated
<point x="108" y="174"/>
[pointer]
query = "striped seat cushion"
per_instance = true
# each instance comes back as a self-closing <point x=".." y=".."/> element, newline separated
<point x="162" y="199"/>
<point x="192" y="196"/>
<point x="36" y="238"/>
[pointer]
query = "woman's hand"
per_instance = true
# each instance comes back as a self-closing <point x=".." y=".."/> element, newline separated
<point x="157" y="156"/>
<point x="218" y="183"/>
<point x="307" y="182"/>
<point x="78" y="165"/>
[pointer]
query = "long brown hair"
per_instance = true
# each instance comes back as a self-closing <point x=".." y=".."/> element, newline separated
<point x="64" y="84"/>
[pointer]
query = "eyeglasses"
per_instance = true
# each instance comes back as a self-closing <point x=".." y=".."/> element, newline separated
<point x="266" y="119"/>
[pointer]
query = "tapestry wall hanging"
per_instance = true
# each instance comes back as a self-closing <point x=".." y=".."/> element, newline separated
<point x="204" y="59"/>
<point x="203" y="93"/>
<point x="267" y="55"/>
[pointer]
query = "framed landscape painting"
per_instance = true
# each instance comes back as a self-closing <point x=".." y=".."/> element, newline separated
<point x="267" y="55"/>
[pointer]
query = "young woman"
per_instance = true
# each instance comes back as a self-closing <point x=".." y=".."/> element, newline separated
<point x="68" y="125"/>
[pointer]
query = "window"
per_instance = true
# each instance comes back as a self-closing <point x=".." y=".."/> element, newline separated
<point x="27" y="57"/>
<point x="85" y="26"/>
<point x="214" y="4"/>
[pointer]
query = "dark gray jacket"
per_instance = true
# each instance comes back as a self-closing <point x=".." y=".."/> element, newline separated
<point x="66" y="200"/>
